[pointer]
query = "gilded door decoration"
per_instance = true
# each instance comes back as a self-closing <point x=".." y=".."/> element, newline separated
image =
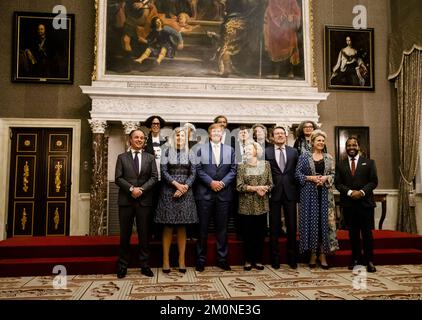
<point x="25" y="177"/>
<point x="57" y="180"/>
<point x="56" y="219"/>
<point x="24" y="219"/>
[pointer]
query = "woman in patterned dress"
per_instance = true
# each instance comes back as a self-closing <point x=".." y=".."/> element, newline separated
<point x="317" y="226"/>
<point x="254" y="183"/>
<point x="176" y="206"/>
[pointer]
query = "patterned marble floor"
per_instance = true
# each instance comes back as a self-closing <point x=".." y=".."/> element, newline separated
<point x="388" y="283"/>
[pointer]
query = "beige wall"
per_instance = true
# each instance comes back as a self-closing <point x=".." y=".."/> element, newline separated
<point x="373" y="109"/>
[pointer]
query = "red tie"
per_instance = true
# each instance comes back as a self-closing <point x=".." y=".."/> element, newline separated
<point x="353" y="166"/>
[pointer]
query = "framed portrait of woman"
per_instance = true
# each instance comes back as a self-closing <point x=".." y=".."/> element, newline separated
<point x="349" y="58"/>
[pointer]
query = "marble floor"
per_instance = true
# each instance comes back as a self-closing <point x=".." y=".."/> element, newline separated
<point x="388" y="283"/>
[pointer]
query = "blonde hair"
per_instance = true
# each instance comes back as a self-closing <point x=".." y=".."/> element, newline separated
<point x="317" y="133"/>
<point x="257" y="146"/>
<point x="172" y="139"/>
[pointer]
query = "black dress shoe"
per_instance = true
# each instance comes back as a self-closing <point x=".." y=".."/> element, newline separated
<point x="293" y="264"/>
<point x="200" y="267"/>
<point x="121" y="272"/>
<point x="353" y="264"/>
<point x="275" y="265"/>
<point x="258" y="266"/>
<point x="146" y="271"/>
<point x="247" y="268"/>
<point x="370" y="267"/>
<point x="312" y="265"/>
<point x="224" y="265"/>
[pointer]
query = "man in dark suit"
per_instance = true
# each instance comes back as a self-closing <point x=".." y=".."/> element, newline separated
<point x="216" y="173"/>
<point x="283" y="160"/>
<point x="356" y="178"/>
<point x="136" y="175"/>
<point x="226" y="138"/>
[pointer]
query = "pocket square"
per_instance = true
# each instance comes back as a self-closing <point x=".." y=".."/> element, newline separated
<point x="364" y="163"/>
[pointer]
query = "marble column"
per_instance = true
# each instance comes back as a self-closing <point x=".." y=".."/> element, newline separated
<point x="98" y="198"/>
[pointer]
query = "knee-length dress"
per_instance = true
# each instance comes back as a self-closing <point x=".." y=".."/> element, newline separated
<point x="176" y="165"/>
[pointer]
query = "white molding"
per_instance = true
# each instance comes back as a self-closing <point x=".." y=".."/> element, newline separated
<point x="5" y="148"/>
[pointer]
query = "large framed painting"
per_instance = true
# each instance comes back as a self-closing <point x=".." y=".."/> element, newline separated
<point x="343" y="133"/>
<point x="349" y="58"/>
<point x="43" y="48"/>
<point x="239" y="39"/>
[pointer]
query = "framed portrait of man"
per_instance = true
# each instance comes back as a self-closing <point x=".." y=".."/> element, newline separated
<point x="43" y="47"/>
<point x="349" y="58"/>
<point x="341" y="135"/>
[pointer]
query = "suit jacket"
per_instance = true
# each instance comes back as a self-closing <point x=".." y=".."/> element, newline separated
<point x="207" y="171"/>
<point x="283" y="181"/>
<point x="229" y="139"/>
<point x="365" y="179"/>
<point x="126" y="176"/>
<point x="149" y="147"/>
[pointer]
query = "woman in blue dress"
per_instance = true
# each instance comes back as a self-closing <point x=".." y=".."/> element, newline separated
<point x="176" y="206"/>
<point x="317" y="225"/>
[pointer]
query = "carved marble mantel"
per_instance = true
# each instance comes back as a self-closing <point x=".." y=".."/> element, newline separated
<point x="242" y="101"/>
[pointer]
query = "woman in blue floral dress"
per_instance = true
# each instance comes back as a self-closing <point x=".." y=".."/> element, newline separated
<point x="176" y="206"/>
<point x="317" y="226"/>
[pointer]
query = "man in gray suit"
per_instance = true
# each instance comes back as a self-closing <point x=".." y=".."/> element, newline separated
<point x="136" y="174"/>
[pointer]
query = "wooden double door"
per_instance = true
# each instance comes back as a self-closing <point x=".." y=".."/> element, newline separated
<point x="40" y="182"/>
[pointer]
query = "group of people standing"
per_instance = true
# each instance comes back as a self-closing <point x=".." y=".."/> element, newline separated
<point x="193" y="183"/>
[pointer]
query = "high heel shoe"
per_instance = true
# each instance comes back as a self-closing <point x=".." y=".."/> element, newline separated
<point x="322" y="259"/>
<point x="313" y="261"/>
<point x="166" y="270"/>
<point x="182" y="270"/>
<point x="325" y="266"/>
<point x="247" y="267"/>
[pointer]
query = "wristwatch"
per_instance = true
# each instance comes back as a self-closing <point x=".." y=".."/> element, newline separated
<point x="131" y="188"/>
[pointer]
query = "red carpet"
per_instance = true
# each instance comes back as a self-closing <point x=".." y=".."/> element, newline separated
<point x="37" y="256"/>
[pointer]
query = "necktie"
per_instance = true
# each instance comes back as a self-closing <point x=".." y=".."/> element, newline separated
<point x="217" y="154"/>
<point x="353" y="166"/>
<point x="281" y="161"/>
<point x="136" y="162"/>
